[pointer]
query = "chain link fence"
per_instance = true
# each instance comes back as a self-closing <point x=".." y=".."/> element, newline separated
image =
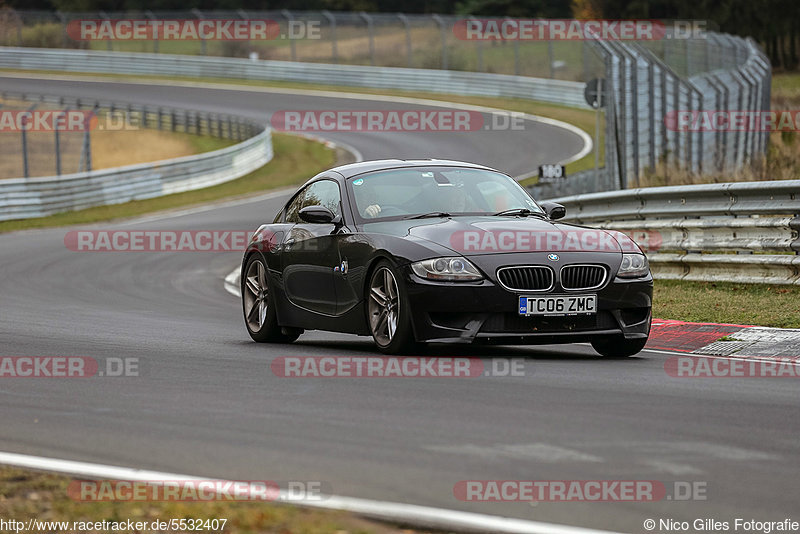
<point x="50" y="136"/>
<point x="376" y="39"/>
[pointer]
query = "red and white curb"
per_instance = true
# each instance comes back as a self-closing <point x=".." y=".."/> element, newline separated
<point x="725" y="340"/>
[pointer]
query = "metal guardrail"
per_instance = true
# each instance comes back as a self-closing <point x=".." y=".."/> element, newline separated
<point x="22" y="198"/>
<point x="739" y="232"/>
<point x="429" y="80"/>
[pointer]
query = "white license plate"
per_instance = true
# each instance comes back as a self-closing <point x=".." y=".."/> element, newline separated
<point x="558" y="305"/>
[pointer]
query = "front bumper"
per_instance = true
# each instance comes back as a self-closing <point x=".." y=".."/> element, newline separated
<point x="486" y="312"/>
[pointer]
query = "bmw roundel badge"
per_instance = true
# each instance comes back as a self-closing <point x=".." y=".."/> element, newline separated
<point x="552" y="257"/>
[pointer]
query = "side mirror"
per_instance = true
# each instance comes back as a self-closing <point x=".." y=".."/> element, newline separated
<point x="317" y="215"/>
<point x="554" y="210"/>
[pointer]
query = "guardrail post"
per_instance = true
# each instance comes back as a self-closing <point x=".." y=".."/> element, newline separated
<point x="332" y="23"/>
<point x="441" y="24"/>
<point x="407" y="25"/>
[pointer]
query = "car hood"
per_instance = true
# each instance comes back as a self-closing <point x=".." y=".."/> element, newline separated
<point x="476" y="235"/>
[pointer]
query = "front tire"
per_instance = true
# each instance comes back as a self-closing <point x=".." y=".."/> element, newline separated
<point x="618" y="346"/>
<point x="259" y="312"/>
<point x="388" y="313"/>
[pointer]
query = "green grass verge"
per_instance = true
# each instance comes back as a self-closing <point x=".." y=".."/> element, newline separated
<point x="582" y="118"/>
<point x="725" y="302"/>
<point x="295" y="160"/>
<point x="785" y="82"/>
<point x="32" y="495"/>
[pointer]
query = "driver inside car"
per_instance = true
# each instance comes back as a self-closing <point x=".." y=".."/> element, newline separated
<point x="449" y="197"/>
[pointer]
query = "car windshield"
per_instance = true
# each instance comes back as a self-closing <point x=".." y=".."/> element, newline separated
<point x="436" y="191"/>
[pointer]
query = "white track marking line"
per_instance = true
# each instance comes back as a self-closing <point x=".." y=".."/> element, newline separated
<point x="585" y="137"/>
<point x="232" y="283"/>
<point x="424" y="516"/>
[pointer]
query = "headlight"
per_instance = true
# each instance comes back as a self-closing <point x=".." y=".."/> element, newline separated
<point x="448" y="269"/>
<point x="633" y="266"/>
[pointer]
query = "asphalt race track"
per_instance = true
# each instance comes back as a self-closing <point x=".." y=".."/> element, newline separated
<point x="209" y="405"/>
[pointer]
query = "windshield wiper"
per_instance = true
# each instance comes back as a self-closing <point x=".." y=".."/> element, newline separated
<point x="520" y="211"/>
<point x="429" y="215"/>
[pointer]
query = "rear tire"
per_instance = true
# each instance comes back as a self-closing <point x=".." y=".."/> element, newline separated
<point x="388" y="313"/>
<point x="618" y="346"/>
<point x="259" y="311"/>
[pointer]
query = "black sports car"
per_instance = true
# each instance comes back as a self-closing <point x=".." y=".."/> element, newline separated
<point x="431" y="251"/>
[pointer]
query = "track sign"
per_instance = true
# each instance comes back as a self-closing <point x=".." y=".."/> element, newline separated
<point x="552" y="172"/>
<point x="593" y="96"/>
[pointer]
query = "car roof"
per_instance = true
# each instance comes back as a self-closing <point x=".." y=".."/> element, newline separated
<point x="353" y="169"/>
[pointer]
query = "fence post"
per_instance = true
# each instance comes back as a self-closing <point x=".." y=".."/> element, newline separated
<point x="18" y="23"/>
<point x="440" y="22"/>
<point x="332" y="23"/>
<point x="199" y="16"/>
<point x="516" y="52"/>
<point x="371" y="30"/>
<point x="24" y="132"/>
<point x="407" y="26"/>
<point x="478" y="49"/>
<point x="292" y="45"/>
<point x="109" y="44"/>
<point x="63" y="20"/>
<point x="58" y="145"/>
<point x="150" y="16"/>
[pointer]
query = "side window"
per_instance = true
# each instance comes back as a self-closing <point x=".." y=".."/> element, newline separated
<point x="322" y="193"/>
<point x="293" y="209"/>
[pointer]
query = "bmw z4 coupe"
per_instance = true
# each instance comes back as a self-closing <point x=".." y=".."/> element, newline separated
<point x="434" y="251"/>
